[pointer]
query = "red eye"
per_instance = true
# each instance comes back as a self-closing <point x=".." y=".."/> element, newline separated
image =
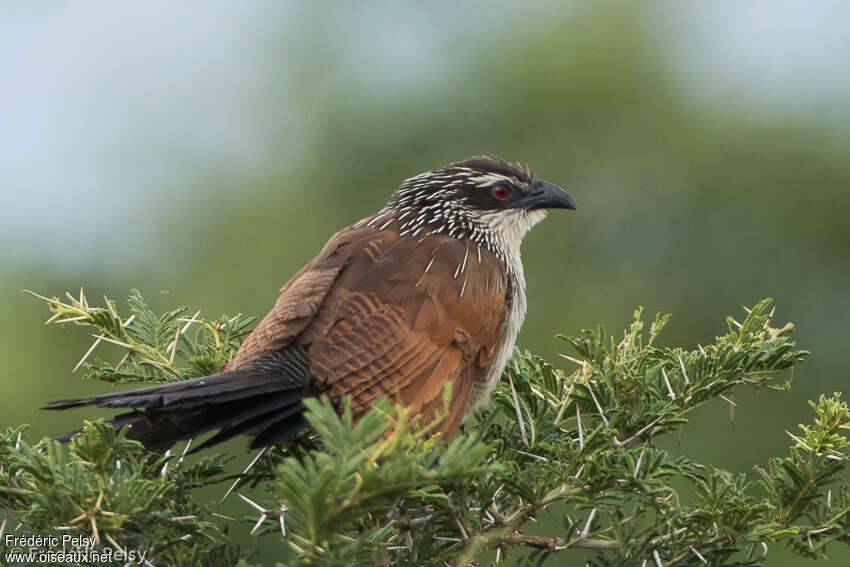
<point x="501" y="192"/>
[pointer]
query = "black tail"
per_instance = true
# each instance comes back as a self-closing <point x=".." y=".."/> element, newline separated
<point x="263" y="398"/>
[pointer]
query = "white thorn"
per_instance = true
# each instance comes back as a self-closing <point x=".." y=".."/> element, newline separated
<point x="189" y="322"/>
<point x="251" y="502"/>
<point x="667" y="381"/>
<point x="259" y="523"/>
<point x="682" y="366"/>
<point x="596" y="402"/>
<point x="185" y="450"/>
<point x="238" y="480"/>
<point x="586" y="529"/>
<point x="88" y="352"/>
<point x="640" y="459"/>
<point x="580" y="433"/>
<point x="113" y="341"/>
<point x="697" y="553"/>
<point x="68" y="320"/>
<point x="165" y="465"/>
<point x="730" y="402"/>
<point x="533" y="456"/>
<point x="518" y="411"/>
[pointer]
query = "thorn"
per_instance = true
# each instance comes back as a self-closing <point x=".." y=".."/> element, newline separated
<point x="462" y="529"/>
<point x="682" y="366"/>
<point x="667" y="381"/>
<point x="572" y="359"/>
<point x="580" y="470"/>
<point x="68" y="320"/>
<point x="18" y="442"/>
<point x="518" y="412"/>
<point x="259" y="522"/>
<point x="185" y="450"/>
<point x="488" y="518"/>
<point x="697" y="553"/>
<point x="727" y="400"/>
<point x="194" y="319"/>
<point x="109" y="306"/>
<point x="640" y="459"/>
<point x="586" y="529"/>
<point x="564" y="403"/>
<point x="580" y="433"/>
<point x="112" y="541"/>
<point x="538" y="457"/>
<point x="88" y="352"/>
<point x="123" y="359"/>
<point x="251" y="503"/>
<point x="238" y="480"/>
<point x="52" y="318"/>
<point x="173" y="345"/>
<point x="596" y="402"/>
<point x="129" y="320"/>
<point x="113" y="341"/>
<point x="798" y="440"/>
<point x="657" y="558"/>
<point x="164" y="470"/>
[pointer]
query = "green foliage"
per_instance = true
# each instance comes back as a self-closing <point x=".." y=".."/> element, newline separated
<point x="103" y="485"/>
<point x="578" y="447"/>
<point x="153" y="344"/>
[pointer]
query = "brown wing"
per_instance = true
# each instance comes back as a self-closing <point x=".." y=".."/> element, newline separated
<point x="406" y="317"/>
<point x="382" y="314"/>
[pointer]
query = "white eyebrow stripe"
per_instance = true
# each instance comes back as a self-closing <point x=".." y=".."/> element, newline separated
<point x="486" y="179"/>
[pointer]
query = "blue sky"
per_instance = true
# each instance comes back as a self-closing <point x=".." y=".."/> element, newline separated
<point x="104" y="104"/>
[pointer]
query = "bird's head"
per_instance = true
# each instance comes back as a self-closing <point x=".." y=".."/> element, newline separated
<point x="484" y="199"/>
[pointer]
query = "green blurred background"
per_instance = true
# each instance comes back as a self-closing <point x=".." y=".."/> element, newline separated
<point x="204" y="153"/>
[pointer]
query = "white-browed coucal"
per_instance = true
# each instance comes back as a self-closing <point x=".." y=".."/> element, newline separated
<point x="427" y="291"/>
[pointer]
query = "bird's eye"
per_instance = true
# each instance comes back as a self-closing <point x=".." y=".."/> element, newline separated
<point x="501" y="192"/>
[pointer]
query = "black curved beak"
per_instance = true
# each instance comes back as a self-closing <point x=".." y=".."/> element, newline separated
<point x="545" y="195"/>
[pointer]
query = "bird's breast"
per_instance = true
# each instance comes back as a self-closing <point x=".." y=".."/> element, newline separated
<point x="513" y="317"/>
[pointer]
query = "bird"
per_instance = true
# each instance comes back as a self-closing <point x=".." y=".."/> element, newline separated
<point x="427" y="291"/>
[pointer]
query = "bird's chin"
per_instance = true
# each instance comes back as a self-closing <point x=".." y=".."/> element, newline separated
<point x="536" y="216"/>
<point x="512" y="224"/>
